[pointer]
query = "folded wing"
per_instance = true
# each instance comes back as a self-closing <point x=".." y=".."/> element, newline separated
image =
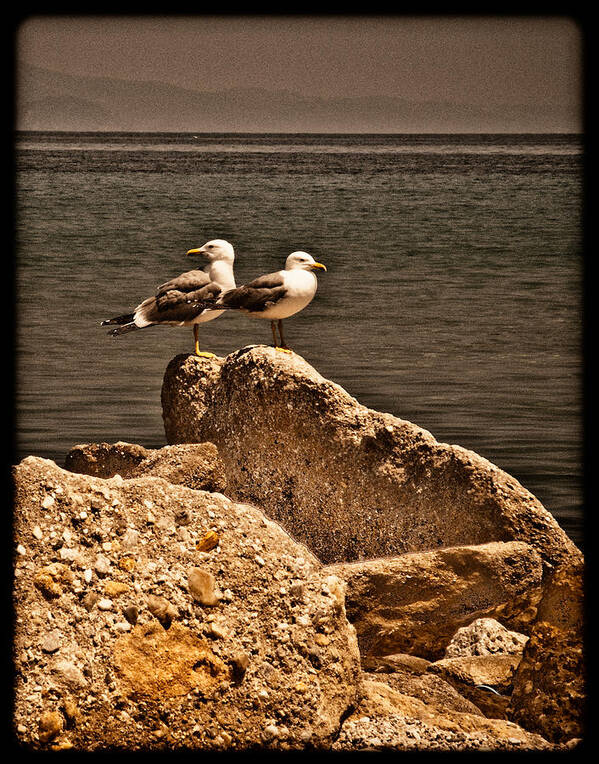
<point x="257" y="295"/>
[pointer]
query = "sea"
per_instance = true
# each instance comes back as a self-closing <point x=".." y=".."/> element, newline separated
<point x="453" y="296"/>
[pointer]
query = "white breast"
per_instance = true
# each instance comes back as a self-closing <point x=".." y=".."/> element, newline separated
<point x="301" y="288"/>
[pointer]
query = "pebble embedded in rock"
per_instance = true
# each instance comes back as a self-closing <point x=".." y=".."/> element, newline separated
<point x="239" y="664"/>
<point x="202" y="586"/>
<point x="102" y="565"/>
<point x="51" y="642"/>
<point x="162" y="609"/>
<point x="90" y="600"/>
<point x="50" y="726"/>
<point x="131" y="613"/>
<point x="209" y="541"/>
<point x="115" y="588"/>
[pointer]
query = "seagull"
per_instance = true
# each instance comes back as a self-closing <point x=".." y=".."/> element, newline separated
<point x="178" y="302"/>
<point x="276" y="296"/>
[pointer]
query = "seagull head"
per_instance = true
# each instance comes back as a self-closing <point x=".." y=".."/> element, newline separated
<point x="304" y="261"/>
<point x="216" y="249"/>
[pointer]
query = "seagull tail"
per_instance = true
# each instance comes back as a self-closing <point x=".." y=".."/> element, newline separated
<point x="126" y="318"/>
<point x="124" y="328"/>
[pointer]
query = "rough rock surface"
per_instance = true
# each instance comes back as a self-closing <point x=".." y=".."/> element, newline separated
<point x="485" y="636"/>
<point x="549" y="687"/>
<point x="153" y="612"/>
<point x="113" y="649"/>
<point x="431" y="689"/>
<point x="194" y="465"/>
<point x="486" y="680"/>
<point x="416" y="602"/>
<point x="387" y="719"/>
<point x="493" y="671"/>
<point x="349" y="482"/>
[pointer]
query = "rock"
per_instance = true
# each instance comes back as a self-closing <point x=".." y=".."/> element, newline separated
<point x="349" y="482"/>
<point x="50" y="726"/>
<point x="416" y="602"/>
<point x="105" y="459"/>
<point x="485" y="636"/>
<point x="115" y="588"/>
<point x="389" y="664"/>
<point x="208" y="542"/>
<point x="276" y="650"/>
<point x="52" y="579"/>
<point x="429" y="688"/>
<point x="194" y="465"/>
<point x="485" y="680"/>
<point x="51" y="642"/>
<point x="389" y="720"/>
<point x="70" y="711"/>
<point x="162" y="609"/>
<point x="202" y="586"/>
<point x="549" y="686"/>
<point x="493" y="671"/>
<point x="131" y="613"/>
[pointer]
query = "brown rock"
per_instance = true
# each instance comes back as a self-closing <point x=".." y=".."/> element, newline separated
<point x="494" y="671"/>
<point x="202" y="586"/>
<point x="549" y="686"/>
<point x="390" y="720"/>
<point x="213" y="680"/>
<point x="105" y="459"/>
<point x="485" y="680"/>
<point x="131" y="613"/>
<point x="162" y="609"/>
<point x="194" y="465"/>
<point x="384" y="485"/>
<point x="51" y="579"/>
<point x="70" y="711"/>
<point x="389" y="664"/>
<point x="485" y="636"/>
<point x="431" y="689"/>
<point x="416" y="602"/>
<point x="208" y="542"/>
<point x="115" y="588"/>
<point x="50" y="726"/>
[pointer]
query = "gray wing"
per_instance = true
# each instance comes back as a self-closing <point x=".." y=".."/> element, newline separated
<point x="257" y="295"/>
<point x="187" y="282"/>
<point x="180" y="299"/>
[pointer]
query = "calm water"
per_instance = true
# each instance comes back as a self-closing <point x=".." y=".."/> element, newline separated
<point x="452" y="299"/>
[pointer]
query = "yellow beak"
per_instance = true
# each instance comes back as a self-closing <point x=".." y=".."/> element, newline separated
<point x="198" y="251"/>
<point x="318" y="265"/>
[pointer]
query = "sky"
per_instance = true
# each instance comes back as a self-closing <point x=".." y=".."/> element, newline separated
<point x="463" y="59"/>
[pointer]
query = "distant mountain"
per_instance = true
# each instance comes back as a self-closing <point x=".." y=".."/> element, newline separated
<point x="55" y="101"/>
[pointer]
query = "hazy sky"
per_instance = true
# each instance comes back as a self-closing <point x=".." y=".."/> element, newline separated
<point x="464" y="59"/>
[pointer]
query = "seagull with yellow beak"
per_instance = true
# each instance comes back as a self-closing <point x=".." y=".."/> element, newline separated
<point x="178" y="302"/>
<point x="276" y="296"/>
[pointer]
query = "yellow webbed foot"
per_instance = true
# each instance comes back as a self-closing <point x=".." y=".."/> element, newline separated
<point x="202" y="354"/>
<point x="283" y="350"/>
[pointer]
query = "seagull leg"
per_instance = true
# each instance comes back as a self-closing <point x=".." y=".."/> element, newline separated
<point x="196" y="336"/>
<point x="274" y="334"/>
<point x="282" y="346"/>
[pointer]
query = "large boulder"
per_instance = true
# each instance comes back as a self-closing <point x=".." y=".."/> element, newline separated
<point x="151" y="615"/>
<point x="416" y="602"/>
<point x="349" y="482"/>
